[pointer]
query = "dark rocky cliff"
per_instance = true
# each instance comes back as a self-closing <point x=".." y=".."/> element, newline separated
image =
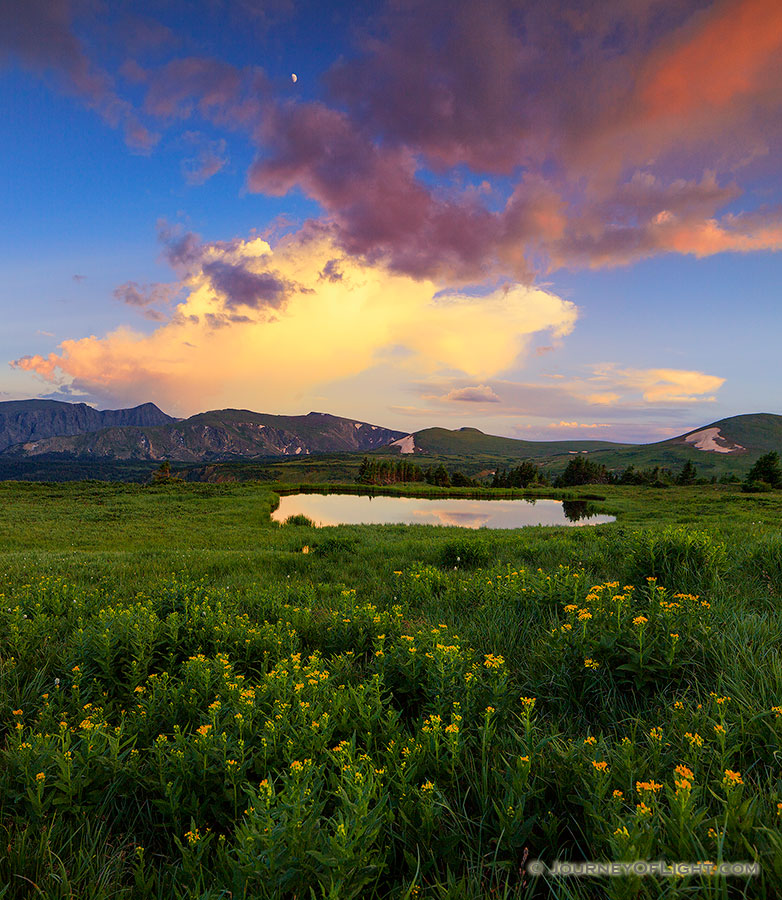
<point x="22" y="421"/>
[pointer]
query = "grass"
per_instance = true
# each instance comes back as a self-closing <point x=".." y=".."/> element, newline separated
<point x="191" y="706"/>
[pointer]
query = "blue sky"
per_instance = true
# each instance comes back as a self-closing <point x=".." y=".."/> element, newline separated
<point x="454" y="216"/>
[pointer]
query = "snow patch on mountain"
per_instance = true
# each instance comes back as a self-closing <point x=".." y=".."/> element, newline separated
<point x="405" y="444"/>
<point x="706" y="439"/>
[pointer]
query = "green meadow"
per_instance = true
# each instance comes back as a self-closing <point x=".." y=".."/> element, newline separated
<point x="196" y="702"/>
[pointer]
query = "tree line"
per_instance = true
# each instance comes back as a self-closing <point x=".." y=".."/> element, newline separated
<point x="386" y="471"/>
<point x="765" y="474"/>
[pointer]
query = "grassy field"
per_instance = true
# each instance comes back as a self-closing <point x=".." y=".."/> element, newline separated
<point x="198" y="703"/>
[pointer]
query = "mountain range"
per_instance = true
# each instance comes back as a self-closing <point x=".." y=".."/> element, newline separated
<point x="146" y="433"/>
<point x="49" y="430"/>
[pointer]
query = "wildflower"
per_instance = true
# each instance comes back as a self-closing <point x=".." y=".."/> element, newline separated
<point x="490" y="710"/>
<point x="584" y="615"/>
<point x="642" y="809"/>
<point x="684" y="772"/>
<point x="40" y="777"/>
<point x="732" y="779"/>
<point x="695" y="739"/>
<point x="571" y="607"/>
<point x="493" y="662"/>
<point x="678" y="705"/>
<point x="779" y="809"/>
<point x="719" y="729"/>
<point x="656" y="734"/>
<point x="640" y="620"/>
<point x="647" y="786"/>
<point x="622" y="832"/>
<point x="590" y="740"/>
<point x="204" y="729"/>
<point x="618" y="795"/>
<point x="18" y="712"/>
<point x="427" y="787"/>
<point x="591" y="664"/>
<point x="713" y="834"/>
<point x="528" y="702"/>
<point x="600" y="766"/>
<point x="777" y="710"/>
<point x="193" y="836"/>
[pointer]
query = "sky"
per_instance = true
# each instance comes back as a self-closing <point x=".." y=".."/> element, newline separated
<point x="547" y="219"/>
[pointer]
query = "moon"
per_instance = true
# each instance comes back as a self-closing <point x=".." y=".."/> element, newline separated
<point x="294" y="78"/>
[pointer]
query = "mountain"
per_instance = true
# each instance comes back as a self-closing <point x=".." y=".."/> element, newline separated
<point x="728" y="446"/>
<point x="23" y="421"/>
<point x="226" y="434"/>
<point x="752" y="433"/>
<point x="471" y="441"/>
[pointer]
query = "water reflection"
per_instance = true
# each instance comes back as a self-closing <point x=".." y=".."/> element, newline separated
<point x="357" y="509"/>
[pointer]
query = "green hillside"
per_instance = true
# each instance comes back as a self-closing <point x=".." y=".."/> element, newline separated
<point x="472" y="442"/>
<point x="755" y="432"/>
<point x="742" y="438"/>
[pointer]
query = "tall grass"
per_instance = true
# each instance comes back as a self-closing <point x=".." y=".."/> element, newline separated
<point x="190" y="706"/>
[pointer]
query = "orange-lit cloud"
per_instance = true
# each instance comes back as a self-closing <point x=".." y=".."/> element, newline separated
<point x="263" y="328"/>
<point x="724" y="56"/>
<point x="662" y="385"/>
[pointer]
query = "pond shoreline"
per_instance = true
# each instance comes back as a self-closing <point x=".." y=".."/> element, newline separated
<point x="431" y="491"/>
<point x="367" y="507"/>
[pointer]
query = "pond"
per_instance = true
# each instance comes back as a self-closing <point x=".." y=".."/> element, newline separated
<point x="361" y="509"/>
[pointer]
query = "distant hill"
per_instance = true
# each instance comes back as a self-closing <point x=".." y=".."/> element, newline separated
<point x="471" y="441"/>
<point x="728" y="446"/>
<point x="752" y="433"/>
<point x="226" y="434"/>
<point x="24" y="421"/>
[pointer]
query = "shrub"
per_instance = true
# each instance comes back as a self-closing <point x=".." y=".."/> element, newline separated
<point x="300" y="519"/>
<point x="756" y="487"/>
<point x="692" y="560"/>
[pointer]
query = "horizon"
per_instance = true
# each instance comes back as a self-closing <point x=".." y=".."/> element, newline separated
<point x="555" y="223"/>
<point x="696" y="428"/>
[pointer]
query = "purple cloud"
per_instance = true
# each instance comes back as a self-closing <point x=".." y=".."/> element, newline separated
<point x="241" y="286"/>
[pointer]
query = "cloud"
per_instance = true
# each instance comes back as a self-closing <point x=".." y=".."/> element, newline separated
<point x="480" y="393"/>
<point x="39" y="35"/>
<point x="240" y="286"/>
<point x="609" y="391"/>
<point x="211" y="351"/>
<point x="210" y="157"/>
<point x="464" y="142"/>
<point x="663" y="385"/>
<point x="569" y="425"/>
<point x="135" y="294"/>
